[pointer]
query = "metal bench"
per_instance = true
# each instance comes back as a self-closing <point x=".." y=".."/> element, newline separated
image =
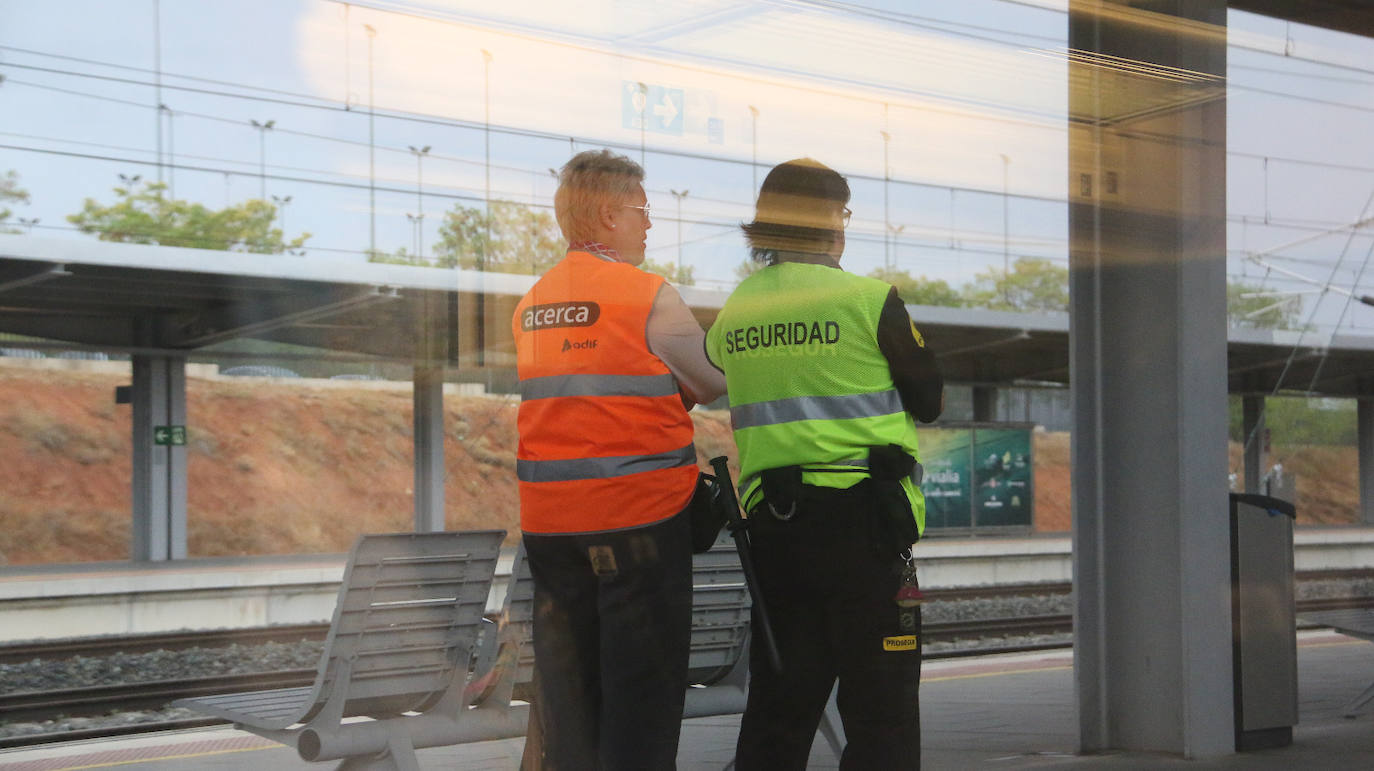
<point x="398" y="651"/>
<point x="1355" y="622"/>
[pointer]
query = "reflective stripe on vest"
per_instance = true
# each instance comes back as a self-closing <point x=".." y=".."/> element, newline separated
<point x="601" y="468"/>
<point x="815" y="408"/>
<point x="552" y="386"/>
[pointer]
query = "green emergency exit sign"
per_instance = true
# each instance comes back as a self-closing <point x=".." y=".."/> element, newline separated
<point x="169" y="435"/>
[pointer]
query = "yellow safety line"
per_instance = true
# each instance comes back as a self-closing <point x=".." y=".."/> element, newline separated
<point x="168" y="757"/>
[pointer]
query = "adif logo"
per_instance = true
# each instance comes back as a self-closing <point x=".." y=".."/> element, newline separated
<point x="568" y="345"/>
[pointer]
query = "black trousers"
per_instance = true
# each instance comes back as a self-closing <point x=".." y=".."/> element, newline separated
<point x="612" y="625"/>
<point x="829" y="592"/>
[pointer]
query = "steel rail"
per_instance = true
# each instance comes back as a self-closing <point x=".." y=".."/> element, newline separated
<point x="96" y="700"/>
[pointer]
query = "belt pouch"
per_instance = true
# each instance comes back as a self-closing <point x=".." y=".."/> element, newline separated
<point x="888" y="466"/>
<point x="782" y="488"/>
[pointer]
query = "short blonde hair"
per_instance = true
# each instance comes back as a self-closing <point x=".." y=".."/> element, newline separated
<point x="588" y="180"/>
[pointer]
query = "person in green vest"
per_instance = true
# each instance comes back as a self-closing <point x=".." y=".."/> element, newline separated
<point x="826" y="377"/>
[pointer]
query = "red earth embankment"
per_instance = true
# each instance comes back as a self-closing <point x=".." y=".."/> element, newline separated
<point x="279" y="467"/>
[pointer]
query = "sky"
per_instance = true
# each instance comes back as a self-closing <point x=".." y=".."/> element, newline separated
<point x="949" y="119"/>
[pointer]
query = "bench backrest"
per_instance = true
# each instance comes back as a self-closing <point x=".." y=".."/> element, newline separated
<point x="407" y="619"/>
<point x="720" y="612"/>
<point x="720" y="617"/>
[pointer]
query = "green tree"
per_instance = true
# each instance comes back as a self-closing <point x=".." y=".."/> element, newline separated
<point x="684" y="275"/>
<point x="1031" y="285"/>
<point x="523" y="239"/>
<point x="146" y="216"/>
<point x="921" y="290"/>
<point x="1270" y="312"/>
<point x="10" y="191"/>
<point x="1299" y="420"/>
<point x="747" y="268"/>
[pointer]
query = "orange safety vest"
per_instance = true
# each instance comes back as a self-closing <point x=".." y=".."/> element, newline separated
<point x="605" y="442"/>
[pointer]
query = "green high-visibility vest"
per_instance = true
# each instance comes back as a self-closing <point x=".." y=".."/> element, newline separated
<point x="808" y="385"/>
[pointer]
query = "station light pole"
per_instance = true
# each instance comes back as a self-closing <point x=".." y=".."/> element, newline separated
<point x="262" y="128"/>
<point x="679" y="196"/>
<point x="282" y="202"/>
<point x="1006" y="240"/>
<point x="171" y="149"/>
<point x="420" y="153"/>
<point x="416" y="223"/>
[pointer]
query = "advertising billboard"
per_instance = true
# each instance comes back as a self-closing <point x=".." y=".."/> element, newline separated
<point x="977" y="477"/>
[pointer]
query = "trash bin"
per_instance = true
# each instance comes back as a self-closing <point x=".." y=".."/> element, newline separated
<point x="1264" y="641"/>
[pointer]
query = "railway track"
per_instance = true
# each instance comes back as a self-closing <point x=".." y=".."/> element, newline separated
<point x="173" y="641"/>
<point x="154" y="695"/>
<point x="162" y="641"/>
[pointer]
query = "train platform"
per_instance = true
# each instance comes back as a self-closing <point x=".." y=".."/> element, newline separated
<point x="997" y="712"/>
<point x="126" y="598"/>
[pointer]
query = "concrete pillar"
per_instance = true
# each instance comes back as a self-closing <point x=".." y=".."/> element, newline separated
<point x="1364" y="413"/>
<point x="1256" y="444"/>
<point x="1147" y="225"/>
<point x="159" y="465"/>
<point x="985" y="404"/>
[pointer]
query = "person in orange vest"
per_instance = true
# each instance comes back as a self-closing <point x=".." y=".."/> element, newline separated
<point x="610" y="360"/>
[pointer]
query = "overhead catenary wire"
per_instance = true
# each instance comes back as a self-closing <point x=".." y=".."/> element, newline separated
<point x="1324" y="287"/>
<point x="906" y="18"/>
<point x="1350" y="297"/>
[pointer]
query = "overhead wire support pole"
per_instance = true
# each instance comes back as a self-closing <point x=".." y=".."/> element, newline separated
<point x="481" y="325"/>
<point x="371" y="151"/>
<point x="754" y="148"/>
<point x="157" y="83"/>
<point x="887" y="222"/>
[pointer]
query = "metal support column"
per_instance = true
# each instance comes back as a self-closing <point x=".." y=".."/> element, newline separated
<point x="429" y="447"/>
<point x="984" y="404"/>
<point x="428" y="399"/>
<point x="1253" y="434"/>
<point x="1147" y="226"/>
<point x="159" y="467"/>
<point x="1364" y="413"/>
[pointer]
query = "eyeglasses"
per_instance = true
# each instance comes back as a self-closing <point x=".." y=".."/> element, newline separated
<point x="644" y="208"/>
<point x="846" y="213"/>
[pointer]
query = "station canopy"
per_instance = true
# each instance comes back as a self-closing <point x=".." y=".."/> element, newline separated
<point x="167" y="300"/>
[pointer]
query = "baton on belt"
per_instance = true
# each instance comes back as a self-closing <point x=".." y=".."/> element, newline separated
<point x="739" y="530"/>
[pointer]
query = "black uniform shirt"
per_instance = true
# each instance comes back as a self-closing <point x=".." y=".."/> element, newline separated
<point x="914" y="370"/>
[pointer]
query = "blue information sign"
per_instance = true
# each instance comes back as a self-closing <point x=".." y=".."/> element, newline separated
<point x="653" y="108"/>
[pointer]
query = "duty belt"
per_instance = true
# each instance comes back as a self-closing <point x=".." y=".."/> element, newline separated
<point x="849" y="466"/>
